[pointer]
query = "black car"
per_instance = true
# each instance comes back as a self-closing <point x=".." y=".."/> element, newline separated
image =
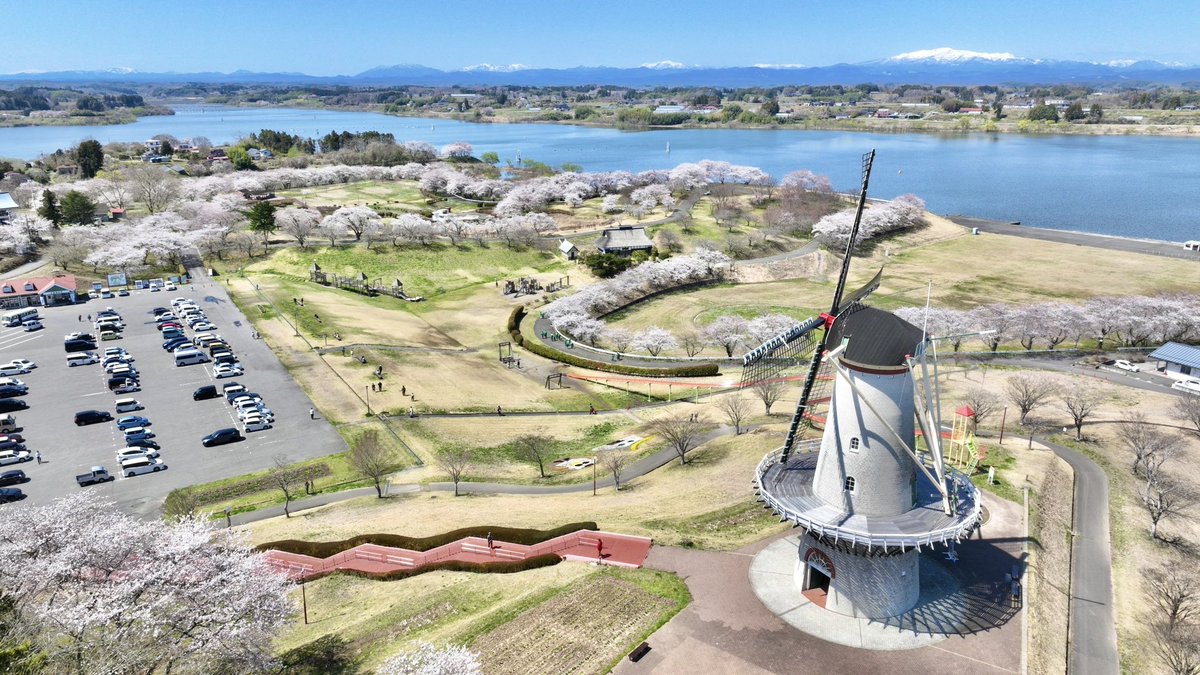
<point x="142" y="443"/>
<point x="11" y="494"/>
<point x="171" y="344"/>
<point x="92" y="417"/>
<point x="14" y="477"/>
<point x="78" y="345"/>
<point x="204" y="393"/>
<point x="221" y="437"/>
<point x="13" y="392"/>
<point x="158" y="310"/>
<point x="12" y="405"/>
<point x="230" y="358"/>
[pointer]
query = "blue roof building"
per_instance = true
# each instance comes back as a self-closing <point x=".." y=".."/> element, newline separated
<point x="1180" y="360"/>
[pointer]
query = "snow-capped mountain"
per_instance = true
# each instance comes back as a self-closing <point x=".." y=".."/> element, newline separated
<point x="491" y="68"/>
<point x="951" y="55"/>
<point x="939" y="66"/>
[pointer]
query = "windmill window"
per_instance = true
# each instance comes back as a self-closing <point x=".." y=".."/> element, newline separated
<point x="854" y="444"/>
<point x="849" y="486"/>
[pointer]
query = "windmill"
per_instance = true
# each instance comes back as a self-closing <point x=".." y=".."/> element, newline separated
<point x="870" y="499"/>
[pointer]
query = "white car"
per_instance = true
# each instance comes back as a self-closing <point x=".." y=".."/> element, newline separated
<point x="128" y="453"/>
<point x="116" y="351"/>
<point x="24" y="363"/>
<point x="224" y="370"/>
<point x="1190" y="386"/>
<point x="252" y="415"/>
<point x="252" y="407"/>
<point x="14" y="457"/>
<point x="11" y="382"/>
<point x="256" y="425"/>
<point x="204" y="325"/>
<point x="1126" y="365"/>
<point x="138" y="465"/>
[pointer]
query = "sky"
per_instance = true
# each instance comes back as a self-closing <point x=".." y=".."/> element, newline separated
<point x="349" y="36"/>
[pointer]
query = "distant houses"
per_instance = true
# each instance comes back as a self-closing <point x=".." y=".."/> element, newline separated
<point x="625" y="240"/>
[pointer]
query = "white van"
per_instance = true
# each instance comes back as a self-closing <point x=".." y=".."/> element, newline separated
<point x="84" y="359"/>
<point x="190" y="358"/>
<point x="138" y="465"/>
<point x="125" y="405"/>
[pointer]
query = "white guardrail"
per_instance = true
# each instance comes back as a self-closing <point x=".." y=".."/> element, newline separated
<point x="956" y="532"/>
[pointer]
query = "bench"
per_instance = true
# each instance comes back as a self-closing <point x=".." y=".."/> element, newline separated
<point x="639" y="651"/>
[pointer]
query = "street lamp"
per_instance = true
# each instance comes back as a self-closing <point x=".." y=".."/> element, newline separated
<point x="368" y="388"/>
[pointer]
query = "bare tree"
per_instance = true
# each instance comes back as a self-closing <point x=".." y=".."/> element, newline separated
<point x="536" y="447"/>
<point x="1187" y="409"/>
<point x="614" y="462"/>
<point x="1145" y="441"/>
<point x="1081" y="402"/>
<point x="299" y="223"/>
<point x="1028" y="392"/>
<point x="736" y="408"/>
<point x="1175" y="589"/>
<point x="456" y="463"/>
<point x="245" y="241"/>
<point x="682" y="433"/>
<point x="371" y="459"/>
<point x="153" y="186"/>
<point x="284" y="477"/>
<point x="769" y="392"/>
<point x="691" y="342"/>
<point x="983" y="402"/>
<point x="1179" y="648"/>
<point x="1165" y="497"/>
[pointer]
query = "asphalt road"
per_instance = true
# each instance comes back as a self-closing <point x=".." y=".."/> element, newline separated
<point x="1093" y="629"/>
<point x="58" y="391"/>
<point x="1161" y="248"/>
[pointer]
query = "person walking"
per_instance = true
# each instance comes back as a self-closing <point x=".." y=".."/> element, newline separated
<point x="499" y="411"/>
<point x="312" y="414"/>
<point x="491" y="545"/>
<point x="39" y="456"/>
<point x="599" y="549"/>
<point x="403" y="390"/>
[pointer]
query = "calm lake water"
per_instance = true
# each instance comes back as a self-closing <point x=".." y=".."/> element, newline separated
<point x="1128" y="186"/>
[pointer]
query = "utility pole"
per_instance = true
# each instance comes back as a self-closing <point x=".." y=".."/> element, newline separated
<point x="368" y="388"/>
<point x="1003" y="418"/>
<point x="594" y="476"/>
<point x="304" y="601"/>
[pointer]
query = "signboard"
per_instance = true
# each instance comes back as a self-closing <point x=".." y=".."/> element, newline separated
<point x="118" y="279"/>
<point x="97" y="286"/>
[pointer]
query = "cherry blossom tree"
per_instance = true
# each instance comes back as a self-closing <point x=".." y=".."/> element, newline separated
<point x="23" y="230"/>
<point x="298" y="223"/>
<point x="619" y="338"/>
<point x="414" y="228"/>
<point x="94" y="590"/>
<point x="654" y="340"/>
<point x="610" y="204"/>
<point x="763" y="328"/>
<point x="427" y="659"/>
<point x="356" y="219"/>
<point x="331" y="228"/>
<point x="806" y="181"/>
<point x="458" y="149"/>
<point x="726" y="332"/>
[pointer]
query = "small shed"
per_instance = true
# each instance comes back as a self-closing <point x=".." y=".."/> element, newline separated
<point x="1177" y="360"/>
<point x="570" y="251"/>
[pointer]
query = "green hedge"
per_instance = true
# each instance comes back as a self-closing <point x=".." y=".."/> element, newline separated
<point x="512" y="535"/>
<point x="514" y="330"/>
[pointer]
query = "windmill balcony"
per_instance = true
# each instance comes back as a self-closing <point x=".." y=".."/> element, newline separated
<point x="787" y="490"/>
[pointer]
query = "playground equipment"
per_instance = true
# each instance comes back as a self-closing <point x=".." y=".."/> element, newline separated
<point x="530" y="286"/>
<point x="360" y="283"/>
<point x="963" y="452"/>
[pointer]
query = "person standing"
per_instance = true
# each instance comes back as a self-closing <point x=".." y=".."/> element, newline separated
<point x="39" y="456"/>
<point x="312" y="414"/>
<point x="491" y="545"/>
<point x="599" y="549"/>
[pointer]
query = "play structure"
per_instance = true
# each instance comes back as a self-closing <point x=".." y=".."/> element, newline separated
<point x="360" y="283"/>
<point x="530" y="286"/>
<point x="607" y="548"/>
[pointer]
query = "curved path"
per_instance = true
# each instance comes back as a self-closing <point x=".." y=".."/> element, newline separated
<point x="1093" y="635"/>
<point x="585" y="545"/>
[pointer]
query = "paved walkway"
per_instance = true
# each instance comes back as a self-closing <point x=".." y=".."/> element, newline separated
<point x="1093" y="638"/>
<point x="22" y="270"/>
<point x="728" y="630"/>
<point x="1162" y="248"/>
<point x="606" y="548"/>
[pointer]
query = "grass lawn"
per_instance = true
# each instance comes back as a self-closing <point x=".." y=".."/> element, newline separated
<point x="514" y="622"/>
<point x="424" y="270"/>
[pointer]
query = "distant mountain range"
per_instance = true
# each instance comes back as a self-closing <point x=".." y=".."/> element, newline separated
<point x="931" y="66"/>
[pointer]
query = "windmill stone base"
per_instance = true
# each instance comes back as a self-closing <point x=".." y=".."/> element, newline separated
<point x="866" y="586"/>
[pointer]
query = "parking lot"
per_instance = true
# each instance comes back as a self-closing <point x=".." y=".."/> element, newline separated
<point x="57" y="392"/>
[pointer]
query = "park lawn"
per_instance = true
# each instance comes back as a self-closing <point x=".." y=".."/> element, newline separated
<point x="661" y="504"/>
<point x="505" y="618"/>
<point x="403" y="193"/>
<point x="424" y="270"/>
<point x="248" y="492"/>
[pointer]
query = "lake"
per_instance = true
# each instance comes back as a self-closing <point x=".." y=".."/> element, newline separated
<point x="1130" y="186"/>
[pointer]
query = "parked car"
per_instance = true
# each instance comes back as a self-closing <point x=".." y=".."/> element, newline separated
<point x="1126" y="365"/>
<point x="123" y="293"/>
<point x="204" y="393"/>
<point x="15" y="438"/>
<point x="31" y="326"/>
<point x="141" y="443"/>
<point x="14" y="477"/>
<point x="98" y="474"/>
<point x="23" y="363"/>
<point x="130" y="421"/>
<point x="12" y="404"/>
<point x="223" y="370"/>
<point x="1191" y="386"/>
<point x="129" y="387"/>
<point x="259" y="424"/>
<point x="11" y="494"/>
<point x="13" y="392"/>
<point x="78" y="335"/>
<point x="14" y="457"/>
<point x="131" y="452"/>
<point x="84" y="417"/>
<point x="71" y="346"/>
<point x="116" y="351"/>
<point x="221" y="437"/>
<point x="135" y="466"/>
<point x="84" y="359"/>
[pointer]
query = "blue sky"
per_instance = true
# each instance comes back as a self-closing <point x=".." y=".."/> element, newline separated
<point x="349" y="36"/>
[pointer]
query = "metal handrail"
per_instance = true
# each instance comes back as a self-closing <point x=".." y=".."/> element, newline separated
<point x="857" y="537"/>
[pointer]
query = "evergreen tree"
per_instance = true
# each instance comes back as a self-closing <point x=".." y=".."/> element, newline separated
<point x="262" y="219"/>
<point x="77" y="209"/>
<point x="49" y="208"/>
<point x="90" y="157"/>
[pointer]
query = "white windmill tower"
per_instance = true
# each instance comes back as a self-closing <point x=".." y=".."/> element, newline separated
<point x="868" y="498"/>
